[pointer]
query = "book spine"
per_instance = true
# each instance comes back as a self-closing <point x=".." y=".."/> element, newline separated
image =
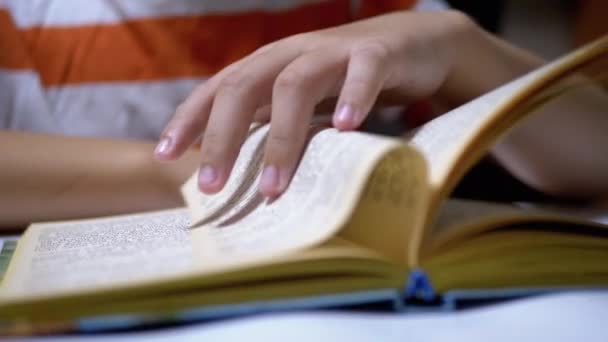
<point x="419" y="288"/>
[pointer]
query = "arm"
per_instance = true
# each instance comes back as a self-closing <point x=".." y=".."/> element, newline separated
<point x="560" y="150"/>
<point x="45" y="177"/>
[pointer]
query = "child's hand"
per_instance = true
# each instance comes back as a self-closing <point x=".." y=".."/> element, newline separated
<point x="400" y="57"/>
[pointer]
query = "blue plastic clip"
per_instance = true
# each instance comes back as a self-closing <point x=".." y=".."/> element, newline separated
<point x="419" y="286"/>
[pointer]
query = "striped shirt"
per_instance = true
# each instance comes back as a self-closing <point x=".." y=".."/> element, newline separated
<point x="118" y="68"/>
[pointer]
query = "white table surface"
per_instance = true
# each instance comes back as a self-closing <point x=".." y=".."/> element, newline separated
<point x="561" y="317"/>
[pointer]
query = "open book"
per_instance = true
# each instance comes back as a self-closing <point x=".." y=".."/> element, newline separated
<point x="364" y="220"/>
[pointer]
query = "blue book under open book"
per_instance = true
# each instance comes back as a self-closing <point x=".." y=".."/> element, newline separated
<point x="365" y="220"/>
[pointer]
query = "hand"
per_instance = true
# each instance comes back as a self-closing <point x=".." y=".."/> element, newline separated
<point x="397" y="57"/>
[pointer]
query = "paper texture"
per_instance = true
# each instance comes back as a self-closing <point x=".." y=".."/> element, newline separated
<point x="95" y="253"/>
<point x="331" y="174"/>
<point x="392" y="207"/>
<point x="238" y="190"/>
<point x="444" y="139"/>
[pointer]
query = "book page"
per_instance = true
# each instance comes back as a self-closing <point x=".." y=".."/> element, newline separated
<point x="331" y="175"/>
<point x="460" y="219"/>
<point x="238" y="189"/>
<point x="99" y="252"/>
<point x="163" y="249"/>
<point x="392" y="207"/>
<point x="443" y="139"/>
<point x="457" y="139"/>
<point x="152" y="253"/>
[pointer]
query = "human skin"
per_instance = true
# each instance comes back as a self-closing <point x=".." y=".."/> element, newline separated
<point x="396" y="58"/>
<point x="51" y="177"/>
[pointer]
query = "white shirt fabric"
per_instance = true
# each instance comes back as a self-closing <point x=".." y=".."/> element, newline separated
<point x="137" y="110"/>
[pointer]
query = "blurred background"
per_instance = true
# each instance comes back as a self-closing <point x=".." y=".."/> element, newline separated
<point x="548" y="27"/>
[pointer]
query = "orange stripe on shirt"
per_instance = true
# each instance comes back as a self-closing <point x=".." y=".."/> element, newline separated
<point x="13" y="50"/>
<point x="158" y="48"/>
<point x="370" y="8"/>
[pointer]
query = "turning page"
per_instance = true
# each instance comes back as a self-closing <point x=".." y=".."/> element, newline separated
<point x="329" y="183"/>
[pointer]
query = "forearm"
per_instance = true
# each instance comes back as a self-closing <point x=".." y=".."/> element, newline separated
<point x="46" y="177"/>
<point x="560" y="149"/>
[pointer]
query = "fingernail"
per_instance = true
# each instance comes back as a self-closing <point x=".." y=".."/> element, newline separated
<point x="270" y="179"/>
<point x="345" y="115"/>
<point x="207" y="175"/>
<point x="163" y="146"/>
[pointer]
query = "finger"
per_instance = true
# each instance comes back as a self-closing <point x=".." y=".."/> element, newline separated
<point x="192" y="115"/>
<point x="365" y="77"/>
<point x="297" y="90"/>
<point x="237" y="98"/>
<point x="190" y="118"/>
<point x="262" y="114"/>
